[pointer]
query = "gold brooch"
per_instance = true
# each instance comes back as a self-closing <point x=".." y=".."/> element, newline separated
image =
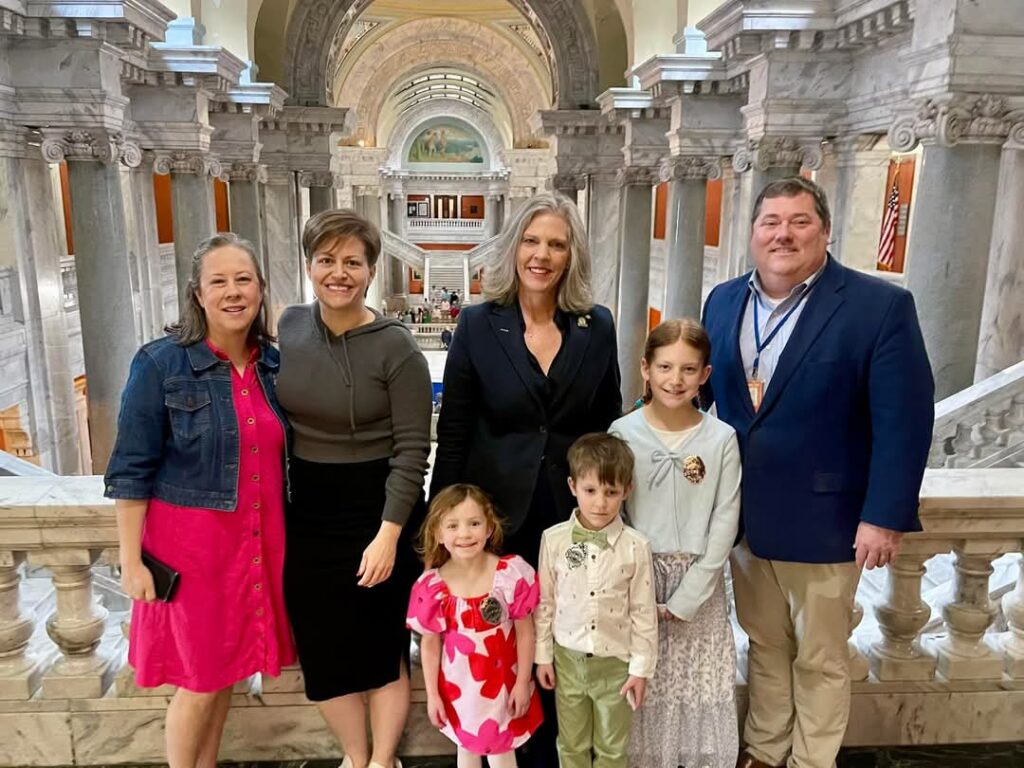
<point x="694" y="469"/>
<point x="583" y="321"/>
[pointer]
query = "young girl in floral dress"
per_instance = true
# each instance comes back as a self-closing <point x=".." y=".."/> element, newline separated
<point x="473" y="609"/>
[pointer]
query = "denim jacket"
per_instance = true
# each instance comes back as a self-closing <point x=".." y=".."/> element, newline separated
<point x="177" y="434"/>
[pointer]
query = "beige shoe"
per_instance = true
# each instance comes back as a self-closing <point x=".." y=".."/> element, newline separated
<point x="398" y="764"/>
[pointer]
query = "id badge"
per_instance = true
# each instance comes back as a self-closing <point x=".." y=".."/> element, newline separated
<point x="756" y="389"/>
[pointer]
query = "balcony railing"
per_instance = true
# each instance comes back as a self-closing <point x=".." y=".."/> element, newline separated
<point x="67" y="695"/>
<point x="445" y="225"/>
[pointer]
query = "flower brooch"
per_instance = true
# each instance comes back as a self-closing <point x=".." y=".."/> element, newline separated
<point x="583" y="321"/>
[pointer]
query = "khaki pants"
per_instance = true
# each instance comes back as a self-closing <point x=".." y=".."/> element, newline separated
<point x="798" y="618"/>
<point x="592" y="714"/>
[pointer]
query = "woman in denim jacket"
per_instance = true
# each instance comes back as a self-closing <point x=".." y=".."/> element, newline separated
<point x="198" y="474"/>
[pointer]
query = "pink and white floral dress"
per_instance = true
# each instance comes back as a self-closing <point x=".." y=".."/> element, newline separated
<point x="478" y="657"/>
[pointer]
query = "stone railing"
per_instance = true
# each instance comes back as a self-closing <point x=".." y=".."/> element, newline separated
<point x="445" y="225"/>
<point x="479" y="256"/>
<point x="8" y="291"/>
<point x="69" y="282"/>
<point x="401" y="249"/>
<point x="982" y="426"/>
<point x="67" y="697"/>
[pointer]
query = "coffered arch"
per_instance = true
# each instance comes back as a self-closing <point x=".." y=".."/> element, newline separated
<point x="570" y="46"/>
<point x="433" y="43"/>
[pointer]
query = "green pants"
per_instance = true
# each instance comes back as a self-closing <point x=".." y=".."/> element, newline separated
<point x="593" y="718"/>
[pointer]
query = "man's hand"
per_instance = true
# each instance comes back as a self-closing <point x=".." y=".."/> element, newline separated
<point x="876" y="546"/>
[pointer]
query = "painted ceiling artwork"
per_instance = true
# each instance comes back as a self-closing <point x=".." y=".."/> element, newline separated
<point x="445" y="143"/>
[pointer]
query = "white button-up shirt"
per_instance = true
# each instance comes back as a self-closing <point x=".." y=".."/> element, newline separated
<point x="598" y="600"/>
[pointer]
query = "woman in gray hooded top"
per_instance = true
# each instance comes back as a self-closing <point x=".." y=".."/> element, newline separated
<point x="357" y="392"/>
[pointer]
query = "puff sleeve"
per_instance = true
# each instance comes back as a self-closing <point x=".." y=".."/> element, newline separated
<point x="426" y="605"/>
<point x="517" y="582"/>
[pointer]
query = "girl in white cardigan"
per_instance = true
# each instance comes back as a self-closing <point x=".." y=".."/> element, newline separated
<point x="686" y="500"/>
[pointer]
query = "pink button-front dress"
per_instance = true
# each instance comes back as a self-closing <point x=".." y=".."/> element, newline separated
<point x="227" y="620"/>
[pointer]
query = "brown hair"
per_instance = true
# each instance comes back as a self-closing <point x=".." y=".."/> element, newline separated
<point x="328" y="226"/>
<point x="430" y="547"/>
<point x="688" y="331"/>
<point x="791" y="187"/>
<point x="191" y="327"/>
<point x="607" y="455"/>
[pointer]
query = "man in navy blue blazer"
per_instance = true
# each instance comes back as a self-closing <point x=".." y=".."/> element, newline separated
<point x="823" y="373"/>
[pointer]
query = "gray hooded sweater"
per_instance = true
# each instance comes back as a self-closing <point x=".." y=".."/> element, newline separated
<point x="359" y="396"/>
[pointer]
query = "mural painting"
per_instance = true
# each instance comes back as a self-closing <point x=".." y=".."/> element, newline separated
<point x="445" y="144"/>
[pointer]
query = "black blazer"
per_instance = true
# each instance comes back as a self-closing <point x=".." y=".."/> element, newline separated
<point x="497" y="429"/>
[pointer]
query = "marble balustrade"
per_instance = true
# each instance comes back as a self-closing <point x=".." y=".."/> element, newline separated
<point x="983" y="425"/>
<point x="67" y="696"/>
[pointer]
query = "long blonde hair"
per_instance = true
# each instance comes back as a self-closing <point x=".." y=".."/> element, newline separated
<point x="501" y="281"/>
<point x="430" y="547"/>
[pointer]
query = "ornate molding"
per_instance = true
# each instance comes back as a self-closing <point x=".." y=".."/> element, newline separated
<point x="1015" y="139"/>
<point x="776" y="152"/>
<point x="318" y="179"/>
<point x="99" y="145"/>
<point x="637" y="175"/>
<point x="255" y="172"/>
<point x="180" y="161"/>
<point x="682" y="167"/>
<point x="574" y="181"/>
<point x="956" y="119"/>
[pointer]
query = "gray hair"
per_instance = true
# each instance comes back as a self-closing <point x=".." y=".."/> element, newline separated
<point x="191" y="325"/>
<point x="501" y="281"/>
<point x="791" y="187"/>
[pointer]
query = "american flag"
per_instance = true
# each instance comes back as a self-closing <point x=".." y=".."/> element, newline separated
<point x="887" y="243"/>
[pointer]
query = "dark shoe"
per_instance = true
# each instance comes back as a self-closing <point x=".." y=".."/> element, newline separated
<point x="746" y="761"/>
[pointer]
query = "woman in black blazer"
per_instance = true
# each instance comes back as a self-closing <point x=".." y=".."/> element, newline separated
<point x="528" y="372"/>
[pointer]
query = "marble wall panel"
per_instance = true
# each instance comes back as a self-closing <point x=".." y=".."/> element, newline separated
<point x="36" y="738"/>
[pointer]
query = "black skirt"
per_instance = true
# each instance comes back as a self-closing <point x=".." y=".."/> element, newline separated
<point x="349" y="638"/>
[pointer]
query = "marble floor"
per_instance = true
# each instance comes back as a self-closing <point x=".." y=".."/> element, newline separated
<point x="961" y="756"/>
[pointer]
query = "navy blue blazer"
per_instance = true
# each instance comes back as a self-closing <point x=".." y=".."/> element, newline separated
<point x="842" y="434"/>
<point x="498" y="429"/>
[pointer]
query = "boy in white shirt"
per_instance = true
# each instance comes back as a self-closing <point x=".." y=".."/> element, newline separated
<point x="597" y="623"/>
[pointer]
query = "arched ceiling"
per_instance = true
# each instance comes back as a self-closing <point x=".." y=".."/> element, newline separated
<point x="379" y="68"/>
<point x="563" y="28"/>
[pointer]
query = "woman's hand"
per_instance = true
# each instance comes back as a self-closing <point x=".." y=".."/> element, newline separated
<point x="435" y="711"/>
<point x="664" y="614"/>
<point x="379" y="557"/>
<point x="519" y="700"/>
<point x="137" y="581"/>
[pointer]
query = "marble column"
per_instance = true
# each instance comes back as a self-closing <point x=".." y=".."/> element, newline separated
<point x="635" y="196"/>
<point x="947" y="255"/>
<point x="245" y="201"/>
<point x="730" y="257"/>
<point x="19" y="670"/>
<point x="30" y="239"/>
<point x="284" y="251"/>
<point x="321" y="190"/>
<point x="143" y="254"/>
<point x="490" y="216"/>
<point x="603" y="232"/>
<point x="104" y="283"/>
<point x="1013" y="610"/>
<point x="901" y="617"/>
<point x="857" y="197"/>
<point x="687" y="205"/>
<point x="1001" y="339"/>
<point x="192" y="207"/>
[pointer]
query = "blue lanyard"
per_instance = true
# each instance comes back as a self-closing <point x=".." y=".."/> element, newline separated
<point x="760" y="346"/>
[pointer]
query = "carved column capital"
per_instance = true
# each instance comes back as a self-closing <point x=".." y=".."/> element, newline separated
<point x="778" y="151"/>
<point x="682" y="167"/>
<point x="254" y="172"/>
<point x="631" y="175"/>
<point x="568" y="181"/>
<point x="317" y="179"/>
<point x="96" y="145"/>
<point x="1015" y="139"/>
<point x="957" y="119"/>
<point x="184" y="161"/>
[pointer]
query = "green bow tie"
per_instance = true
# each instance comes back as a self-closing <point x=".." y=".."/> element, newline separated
<point x="583" y="536"/>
